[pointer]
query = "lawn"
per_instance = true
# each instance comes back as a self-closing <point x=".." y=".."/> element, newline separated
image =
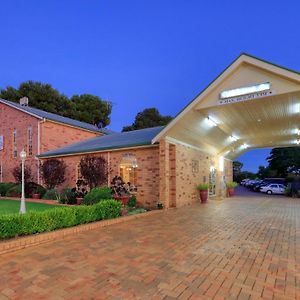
<point x="12" y="206"/>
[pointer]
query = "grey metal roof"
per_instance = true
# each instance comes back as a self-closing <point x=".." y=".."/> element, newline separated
<point x="54" y="117"/>
<point x="113" y="141"/>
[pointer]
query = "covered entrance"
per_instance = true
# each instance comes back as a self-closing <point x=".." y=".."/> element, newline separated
<point x="252" y="104"/>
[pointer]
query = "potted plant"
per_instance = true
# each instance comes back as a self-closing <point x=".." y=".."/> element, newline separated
<point x="203" y="191"/>
<point x="230" y="188"/>
<point x="120" y="190"/>
<point x="36" y="195"/>
<point x="80" y="191"/>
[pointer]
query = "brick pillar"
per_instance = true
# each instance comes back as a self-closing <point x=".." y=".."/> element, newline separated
<point x="164" y="176"/>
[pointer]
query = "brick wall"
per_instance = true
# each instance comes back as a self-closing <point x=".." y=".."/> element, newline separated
<point x="52" y="136"/>
<point x="182" y="168"/>
<point x="55" y="135"/>
<point x="147" y="173"/>
<point x="11" y="119"/>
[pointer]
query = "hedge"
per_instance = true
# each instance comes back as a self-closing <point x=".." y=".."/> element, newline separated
<point x="96" y="195"/>
<point x="14" y="225"/>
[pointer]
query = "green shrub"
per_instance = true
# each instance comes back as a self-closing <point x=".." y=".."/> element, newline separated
<point x="61" y="217"/>
<point x="14" y="191"/>
<point x="132" y="201"/>
<point x="231" y="185"/>
<point x="96" y="195"/>
<point x="202" y="187"/>
<point x="5" y="186"/>
<point x="68" y="196"/>
<point x="51" y="195"/>
<point x="34" y="188"/>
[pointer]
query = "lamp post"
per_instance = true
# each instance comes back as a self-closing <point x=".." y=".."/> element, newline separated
<point x="22" y="207"/>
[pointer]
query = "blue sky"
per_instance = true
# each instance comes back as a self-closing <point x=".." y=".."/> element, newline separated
<point x="141" y="54"/>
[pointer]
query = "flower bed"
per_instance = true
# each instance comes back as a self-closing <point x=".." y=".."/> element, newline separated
<point x="61" y="217"/>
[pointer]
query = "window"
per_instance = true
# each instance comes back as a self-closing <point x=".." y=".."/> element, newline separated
<point x="15" y="152"/>
<point x="30" y="140"/>
<point x="128" y="173"/>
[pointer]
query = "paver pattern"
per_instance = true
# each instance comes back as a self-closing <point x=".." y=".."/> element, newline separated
<point x="239" y="248"/>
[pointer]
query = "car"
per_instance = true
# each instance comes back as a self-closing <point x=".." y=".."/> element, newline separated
<point x="273" y="188"/>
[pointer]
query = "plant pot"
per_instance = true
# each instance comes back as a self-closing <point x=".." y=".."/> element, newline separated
<point x="79" y="200"/>
<point x="36" y="196"/>
<point x="203" y="196"/>
<point x="124" y="199"/>
<point x="230" y="192"/>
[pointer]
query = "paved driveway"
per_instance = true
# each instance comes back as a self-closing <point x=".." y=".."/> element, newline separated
<point x="241" y="248"/>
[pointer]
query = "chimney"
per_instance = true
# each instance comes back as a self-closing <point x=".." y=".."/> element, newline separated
<point x="24" y="101"/>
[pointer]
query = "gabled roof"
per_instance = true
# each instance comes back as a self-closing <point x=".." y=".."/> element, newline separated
<point x="113" y="141"/>
<point x="40" y="114"/>
<point x="241" y="59"/>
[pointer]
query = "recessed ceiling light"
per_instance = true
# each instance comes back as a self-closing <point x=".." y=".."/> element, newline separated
<point x="258" y="120"/>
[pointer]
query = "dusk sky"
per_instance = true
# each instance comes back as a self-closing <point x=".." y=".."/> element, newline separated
<point x="141" y="54"/>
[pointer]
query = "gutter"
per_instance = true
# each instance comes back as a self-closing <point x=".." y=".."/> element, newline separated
<point x="137" y="146"/>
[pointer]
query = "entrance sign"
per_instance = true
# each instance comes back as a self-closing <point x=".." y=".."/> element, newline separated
<point x="1" y="142"/>
<point x="246" y="93"/>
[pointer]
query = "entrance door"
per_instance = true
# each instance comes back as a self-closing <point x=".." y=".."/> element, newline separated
<point x="212" y="181"/>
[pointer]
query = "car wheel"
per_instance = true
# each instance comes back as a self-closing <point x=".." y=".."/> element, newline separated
<point x="269" y="192"/>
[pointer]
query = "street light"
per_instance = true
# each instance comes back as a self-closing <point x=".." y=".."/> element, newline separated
<point x="22" y="207"/>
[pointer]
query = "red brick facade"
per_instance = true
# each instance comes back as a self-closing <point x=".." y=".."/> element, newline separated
<point x="46" y="135"/>
<point x="167" y="173"/>
<point x="147" y="172"/>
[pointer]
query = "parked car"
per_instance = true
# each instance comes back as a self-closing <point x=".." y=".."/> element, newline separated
<point x="244" y="181"/>
<point x="273" y="188"/>
<point x="268" y="181"/>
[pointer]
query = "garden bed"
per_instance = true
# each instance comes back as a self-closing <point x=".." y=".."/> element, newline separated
<point x="18" y="243"/>
<point x="13" y="225"/>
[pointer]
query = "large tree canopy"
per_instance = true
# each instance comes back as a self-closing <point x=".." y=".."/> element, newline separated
<point x="87" y="108"/>
<point x="282" y="159"/>
<point x="149" y="117"/>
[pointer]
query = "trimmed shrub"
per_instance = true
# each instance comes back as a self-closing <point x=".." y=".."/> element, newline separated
<point x="132" y="201"/>
<point x="51" y="195"/>
<point x="96" y="195"/>
<point x="14" y="191"/>
<point x="5" y="186"/>
<point x="61" y="217"/>
<point x="68" y="196"/>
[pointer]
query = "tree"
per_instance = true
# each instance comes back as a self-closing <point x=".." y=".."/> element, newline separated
<point x="17" y="173"/>
<point x="283" y="159"/>
<point x="237" y="169"/>
<point x="41" y="96"/>
<point x="149" y="117"/>
<point x="94" y="170"/>
<point x="91" y="109"/>
<point x="88" y="108"/>
<point x="53" y="172"/>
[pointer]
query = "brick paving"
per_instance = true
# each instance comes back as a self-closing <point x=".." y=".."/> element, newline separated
<point x="240" y="248"/>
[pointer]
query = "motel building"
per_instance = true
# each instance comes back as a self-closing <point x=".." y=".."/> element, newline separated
<point x="252" y="104"/>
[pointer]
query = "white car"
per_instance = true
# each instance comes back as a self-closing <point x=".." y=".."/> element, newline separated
<point x="273" y="188"/>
